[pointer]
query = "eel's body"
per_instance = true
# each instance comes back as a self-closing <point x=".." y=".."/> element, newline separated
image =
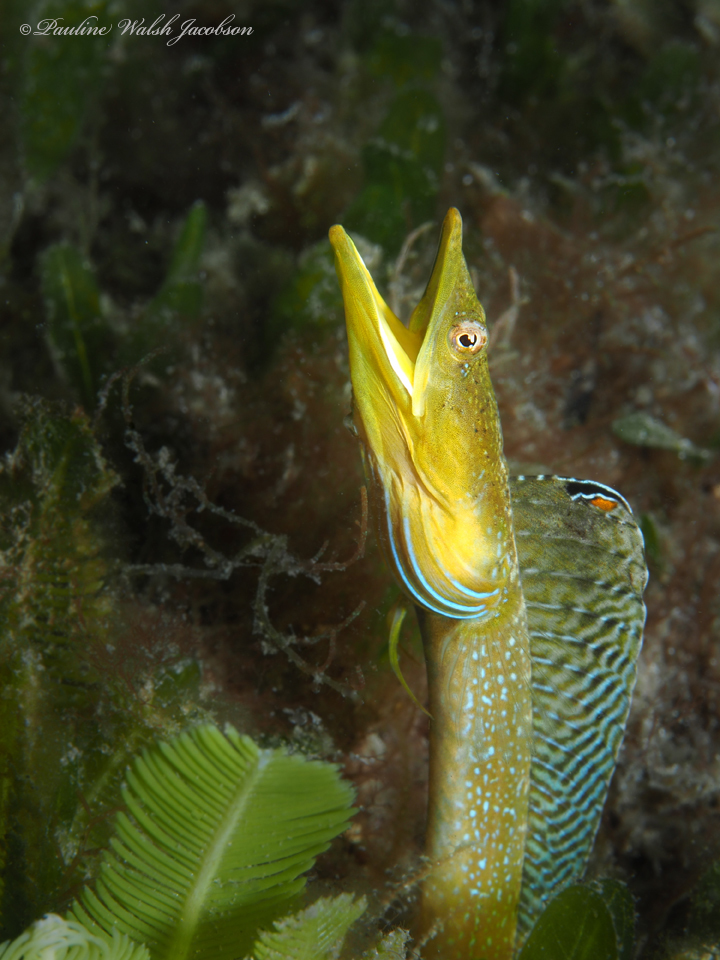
<point x="479" y="779"/>
<point x="528" y="593"/>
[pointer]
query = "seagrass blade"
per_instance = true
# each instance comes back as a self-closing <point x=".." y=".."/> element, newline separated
<point x="583" y="573"/>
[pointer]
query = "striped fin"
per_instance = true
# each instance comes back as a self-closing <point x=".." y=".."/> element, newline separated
<point x="583" y="573"/>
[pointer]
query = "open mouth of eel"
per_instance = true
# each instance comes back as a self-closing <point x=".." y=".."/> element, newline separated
<point x="392" y="357"/>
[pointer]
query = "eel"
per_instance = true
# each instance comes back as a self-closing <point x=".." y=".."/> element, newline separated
<point x="528" y="592"/>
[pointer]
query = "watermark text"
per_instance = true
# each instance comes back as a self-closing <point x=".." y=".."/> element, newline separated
<point x="173" y="29"/>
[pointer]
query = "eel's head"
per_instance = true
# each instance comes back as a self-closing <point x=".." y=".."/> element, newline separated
<point x="426" y="414"/>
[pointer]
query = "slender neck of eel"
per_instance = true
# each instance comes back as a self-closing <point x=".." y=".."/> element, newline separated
<point x="480" y="742"/>
<point x="479" y="683"/>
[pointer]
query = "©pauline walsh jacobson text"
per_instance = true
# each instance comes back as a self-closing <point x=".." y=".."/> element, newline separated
<point x="172" y="29"/>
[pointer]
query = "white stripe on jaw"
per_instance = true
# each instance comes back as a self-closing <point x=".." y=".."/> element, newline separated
<point x="391" y="345"/>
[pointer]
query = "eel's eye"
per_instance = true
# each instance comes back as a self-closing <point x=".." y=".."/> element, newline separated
<point x="467" y="338"/>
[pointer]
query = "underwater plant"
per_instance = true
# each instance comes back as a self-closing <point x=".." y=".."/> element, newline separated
<point x="210" y="848"/>
<point x="81" y="691"/>
<point x="86" y="350"/>
<point x="222" y="832"/>
<point x="529" y="598"/>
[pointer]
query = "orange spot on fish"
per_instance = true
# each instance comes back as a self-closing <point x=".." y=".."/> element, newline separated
<point x="603" y="503"/>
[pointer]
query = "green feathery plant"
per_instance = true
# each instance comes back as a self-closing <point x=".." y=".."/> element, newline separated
<point x="214" y="843"/>
<point x="52" y="605"/>
<point x="316" y="933"/>
<point x="210" y="849"/>
<point x="53" y="938"/>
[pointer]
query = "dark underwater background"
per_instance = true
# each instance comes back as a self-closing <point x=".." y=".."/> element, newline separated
<point x="180" y="499"/>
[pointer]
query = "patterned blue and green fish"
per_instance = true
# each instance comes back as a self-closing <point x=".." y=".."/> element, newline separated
<point x="529" y="596"/>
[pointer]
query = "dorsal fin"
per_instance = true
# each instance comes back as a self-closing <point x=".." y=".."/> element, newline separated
<point x="583" y="573"/>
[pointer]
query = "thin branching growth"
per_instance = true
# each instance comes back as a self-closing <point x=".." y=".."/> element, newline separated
<point x="174" y="497"/>
<point x="398" y="294"/>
